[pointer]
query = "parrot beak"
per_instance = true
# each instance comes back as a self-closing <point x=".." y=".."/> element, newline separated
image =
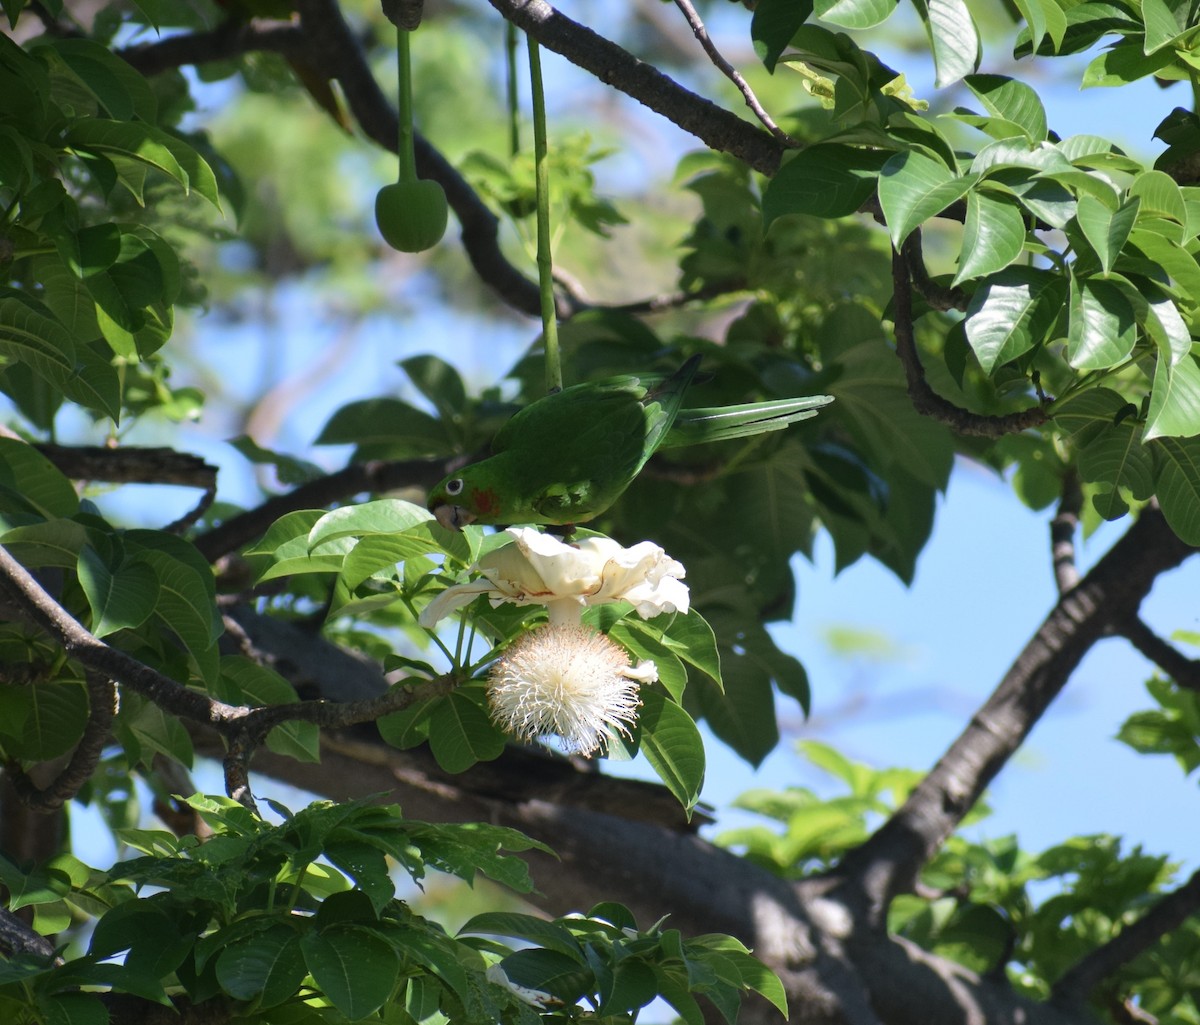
<point x="453" y="517"/>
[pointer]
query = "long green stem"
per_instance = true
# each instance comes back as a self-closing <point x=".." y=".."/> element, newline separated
<point x="544" y="261"/>
<point x="408" y="157"/>
<point x="514" y="106"/>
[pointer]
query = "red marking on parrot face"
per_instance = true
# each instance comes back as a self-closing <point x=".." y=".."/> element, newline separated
<point x="485" y="501"/>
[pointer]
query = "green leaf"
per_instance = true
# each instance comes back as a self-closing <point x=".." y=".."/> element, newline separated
<point x="1161" y="26"/>
<point x="1106" y="229"/>
<point x="1160" y="196"/>
<point x="827" y="180"/>
<point x="672" y="745"/>
<point x="1123" y="63"/>
<point x="387" y="428"/>
<point x="1165" y="325"/>
<point x="461" y="732"/>
<point x="185" y="603"/>
<point x="1169" y="256"/>
<point x="75" y="1009"/>
<point x="439" y="382"/>
<point x="993" y="236"/>
<point x="773" y="25"/>
<point x="550" y="935"/>
<point x="855" y="14"/>
<point x="1177" y="485"/>
<point x="355" y="969"/>
<point x="953" y="38"/>
<point x="914" y="187"/>
<point x="142" y="142"/>
<point x="1011" y="313"/>
<point x="1090" y="414"/>
<point x="1174" y="400"/>
<point x="269" y="963"/>
<point x="693" y="640"/>
<point x="1118" y="459"/>
<point x="383" y="516"/>
<point x="55" y="542"/>
<point x="30" y="482"/>
<point x="54" y="717"/>
<point x="548" y="971"/>
<point x="1103" y="328"/>
<point x="32" y="337"/>
<point x="1011" y="100"/>
<point x="289" y="469"/>
<point x="120" y="600"/>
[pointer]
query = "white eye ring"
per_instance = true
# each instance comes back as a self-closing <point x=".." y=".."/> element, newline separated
<point x="454" y="487"/>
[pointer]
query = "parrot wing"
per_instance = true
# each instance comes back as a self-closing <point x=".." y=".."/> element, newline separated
<point x="721" y="423"/>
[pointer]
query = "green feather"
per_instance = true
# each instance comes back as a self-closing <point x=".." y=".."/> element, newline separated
<point x="567" y="457"/>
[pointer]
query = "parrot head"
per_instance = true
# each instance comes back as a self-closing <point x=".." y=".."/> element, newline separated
<point x="465" y="497"/>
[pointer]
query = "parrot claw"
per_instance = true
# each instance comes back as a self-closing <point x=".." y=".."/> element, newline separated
<point x="453" y="517"/>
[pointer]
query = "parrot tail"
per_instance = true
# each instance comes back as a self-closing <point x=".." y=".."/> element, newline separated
<point x="721" y="423"/>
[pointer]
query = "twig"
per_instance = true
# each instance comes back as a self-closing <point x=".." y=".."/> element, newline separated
<point x="717" y="128"/>
<point x="1075" y="985"/>
<point x="1183" y="670"/>
<point x="1062" y="533"/>
<point x="925" y="400"/>
<point x="247" y="725"/>
<point x="730" y="72"/>
<point x="890" y="861"/>
<point x="102" y="707"/>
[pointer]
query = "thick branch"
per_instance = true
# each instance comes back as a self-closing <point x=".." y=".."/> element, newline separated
<point x="716" y="127"/>
<point x="925" y="400"/>
<point x="890" y="861"/>
<point x="1062" y="534"/>
<point x="1078" y="981"/>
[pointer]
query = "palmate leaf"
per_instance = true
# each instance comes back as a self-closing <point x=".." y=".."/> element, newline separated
<point x="269" y="962"/>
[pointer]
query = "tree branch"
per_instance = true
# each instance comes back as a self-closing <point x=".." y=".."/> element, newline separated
<point x="717" y="128"/>
<point x="890" y="861"/>
<point x="1076" y="984"/>
<point x="18" y="938"/>
<point x="1183" y="670"/>
<point x="1062" y="533"/>
<point x="244" y="727"/>
<point x="730" y="72"/>
<point x="925" y="400"/>
<point x="102" y="708"/>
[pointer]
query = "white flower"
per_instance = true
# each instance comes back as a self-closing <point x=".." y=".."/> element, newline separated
<point x="540" y="569"/>
<point x="569" y="681"/>
<point x="534" y="997"/>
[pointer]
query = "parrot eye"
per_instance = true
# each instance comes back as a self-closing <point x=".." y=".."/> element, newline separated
<point x="454" y="487"/>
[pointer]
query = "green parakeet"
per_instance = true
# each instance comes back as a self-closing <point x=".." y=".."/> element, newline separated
<point x="567" y="457"/>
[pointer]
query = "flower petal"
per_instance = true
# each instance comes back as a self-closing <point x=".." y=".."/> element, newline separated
<point x="452" y="598"/>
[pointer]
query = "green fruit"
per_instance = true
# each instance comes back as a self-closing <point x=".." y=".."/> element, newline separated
<point x="412" y="215"/>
